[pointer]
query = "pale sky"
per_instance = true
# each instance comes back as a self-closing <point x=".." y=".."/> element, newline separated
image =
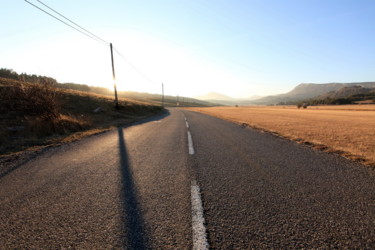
<point x="235" y="47"/>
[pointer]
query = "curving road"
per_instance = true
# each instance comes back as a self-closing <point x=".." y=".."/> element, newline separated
<point x="186" y="180"/>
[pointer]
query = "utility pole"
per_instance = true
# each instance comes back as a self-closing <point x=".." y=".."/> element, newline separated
<point x="114" y="77"/>
<point x="162" y="92"/>
<point x="178" y="104"/>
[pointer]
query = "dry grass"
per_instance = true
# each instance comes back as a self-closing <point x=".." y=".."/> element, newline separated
<point x="348" y="130"/>
<point x="36" y="116"/>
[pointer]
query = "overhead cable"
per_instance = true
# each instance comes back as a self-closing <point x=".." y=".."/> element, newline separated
<point x="85" y="33"/>
<point x="74" y="23"/>
<point x="134" y="67"/>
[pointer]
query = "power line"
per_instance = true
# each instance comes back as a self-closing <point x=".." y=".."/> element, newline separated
<point x="134" y="67"/>
<point x="74" y="23"/>
<point x="86" y="34"/>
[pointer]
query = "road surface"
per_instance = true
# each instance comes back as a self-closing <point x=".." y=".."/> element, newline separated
<point x="186" y="180"/>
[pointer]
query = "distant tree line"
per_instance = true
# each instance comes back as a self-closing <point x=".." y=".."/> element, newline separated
<point x="74" y="86"/>
<point x="85" y="88"/>
<point x="10" y="74"/>
<point x="286" y="103"/>
<point x="332" y="101"/>
<point x="346" y="100"/>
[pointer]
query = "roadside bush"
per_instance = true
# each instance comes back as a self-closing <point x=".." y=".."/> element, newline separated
<point x="30" y="99"/>
<point x="302" y="105"/>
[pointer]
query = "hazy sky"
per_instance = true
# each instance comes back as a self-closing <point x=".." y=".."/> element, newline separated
<point x="236" y="47"/>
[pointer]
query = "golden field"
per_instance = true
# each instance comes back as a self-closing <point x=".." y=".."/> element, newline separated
<point x="348" y="129"/>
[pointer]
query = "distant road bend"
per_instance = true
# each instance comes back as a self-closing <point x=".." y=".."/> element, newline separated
<point x="187" y="180"/>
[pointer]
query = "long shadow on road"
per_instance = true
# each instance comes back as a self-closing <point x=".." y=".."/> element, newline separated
<point x="7" y="170"/>
<point x="133" y="224"/>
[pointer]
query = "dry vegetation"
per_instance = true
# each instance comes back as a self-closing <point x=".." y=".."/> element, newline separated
<point x="348" y="129"/>
<point x="39" y="115"/>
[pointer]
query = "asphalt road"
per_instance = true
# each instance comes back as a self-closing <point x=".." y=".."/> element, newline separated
<point x="150" y="186"/>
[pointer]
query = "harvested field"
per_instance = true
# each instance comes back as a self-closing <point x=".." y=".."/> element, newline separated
<point x="348" y="129"/>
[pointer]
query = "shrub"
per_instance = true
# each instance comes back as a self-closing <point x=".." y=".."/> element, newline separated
<point x="30" y="99"/>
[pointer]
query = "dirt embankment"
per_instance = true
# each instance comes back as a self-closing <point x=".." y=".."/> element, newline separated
<point x="35" y="116"/>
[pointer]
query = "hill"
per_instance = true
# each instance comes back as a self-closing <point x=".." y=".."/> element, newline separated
<point x="346" y="95"/>
<point x="346" y="92"/>
<point x="145" y="98"/>
<point x="220" y="99"/>
<point x="215" y="96"/>
<point x="169" y="101"/>
<point x="306" y="91"/>
<point x="40" y="114"/>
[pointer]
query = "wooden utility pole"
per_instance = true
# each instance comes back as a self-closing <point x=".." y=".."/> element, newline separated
<point x="162" y="97"/>
<point x="114" y="77"/>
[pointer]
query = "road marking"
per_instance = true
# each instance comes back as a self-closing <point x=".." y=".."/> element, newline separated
<point x="199" y="230"/>
<point x="190" y="143"/>
<point x="187" y="124"/>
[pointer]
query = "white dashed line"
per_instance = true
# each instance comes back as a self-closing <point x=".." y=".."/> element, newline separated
<point x="190" y="143"/>
<point x="199" y="230"/>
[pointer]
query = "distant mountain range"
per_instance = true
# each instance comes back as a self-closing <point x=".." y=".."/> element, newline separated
<point x="214" y="96"/>
<point x="345" y="92"/>
<point x="218" y="98"/>
<point x="305" y="91"/>
<point x="302" y="92"/>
